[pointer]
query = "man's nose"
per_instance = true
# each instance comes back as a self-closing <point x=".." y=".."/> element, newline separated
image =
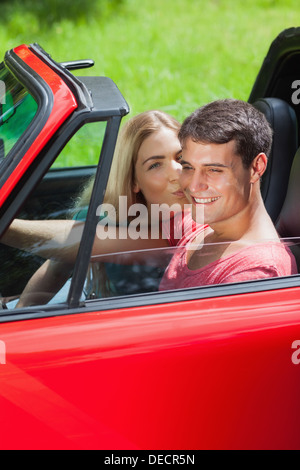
<point x="197" y="183"/>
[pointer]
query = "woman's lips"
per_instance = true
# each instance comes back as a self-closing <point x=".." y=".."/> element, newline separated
<point x="179" y="193"/>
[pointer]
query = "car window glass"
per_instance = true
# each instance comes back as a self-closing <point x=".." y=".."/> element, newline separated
<point x="136" y="272"/>
<point x="62" y="195"/>
<point x="83" y="148"/>
<point x="17" y="110"/>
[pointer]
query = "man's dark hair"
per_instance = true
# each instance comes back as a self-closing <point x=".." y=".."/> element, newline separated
<point x="221" y="121"/>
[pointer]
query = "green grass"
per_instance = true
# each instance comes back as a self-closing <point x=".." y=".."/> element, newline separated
<point x="169" y="54"/>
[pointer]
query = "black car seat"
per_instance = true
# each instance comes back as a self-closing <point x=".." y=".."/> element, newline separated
<point x="283" y="121"/>
<point x="288" y="222"/>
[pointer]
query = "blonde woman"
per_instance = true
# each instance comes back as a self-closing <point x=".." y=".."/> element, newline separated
<point x="146" y="169"/>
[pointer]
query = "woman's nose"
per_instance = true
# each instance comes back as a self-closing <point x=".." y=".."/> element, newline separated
<point x="175" y="171"/>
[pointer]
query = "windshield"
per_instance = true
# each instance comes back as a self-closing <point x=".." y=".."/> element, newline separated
<point x="17" y="110"/>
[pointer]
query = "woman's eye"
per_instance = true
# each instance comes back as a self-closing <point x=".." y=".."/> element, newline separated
<point x="154" y="165"/>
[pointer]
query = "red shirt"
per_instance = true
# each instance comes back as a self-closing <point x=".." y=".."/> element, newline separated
<point x="256" y="261"/>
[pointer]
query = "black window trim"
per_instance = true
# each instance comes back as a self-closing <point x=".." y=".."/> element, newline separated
<point x="86" y="242"/>
<point x="153" y="299"/>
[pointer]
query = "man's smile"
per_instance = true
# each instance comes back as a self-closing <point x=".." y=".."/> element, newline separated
<point x="205" y="200"/>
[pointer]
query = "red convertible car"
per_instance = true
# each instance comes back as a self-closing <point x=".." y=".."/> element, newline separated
<point x="213" y="367"/>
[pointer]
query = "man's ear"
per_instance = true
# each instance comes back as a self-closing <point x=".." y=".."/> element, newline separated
<point x="258" y="167"/>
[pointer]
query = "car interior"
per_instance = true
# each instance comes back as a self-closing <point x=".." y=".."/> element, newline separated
<point x="282" y="118"/>
<point x="280" y="183"/>
<point x="288" y="221"/>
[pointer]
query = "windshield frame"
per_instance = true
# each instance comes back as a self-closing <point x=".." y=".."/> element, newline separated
<point x="15" y="92"/>
<point x="56" y="102"/>
<point x="43" y="96"/>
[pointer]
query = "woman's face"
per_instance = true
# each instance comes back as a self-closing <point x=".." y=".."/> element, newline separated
<point x="158" y="169"/>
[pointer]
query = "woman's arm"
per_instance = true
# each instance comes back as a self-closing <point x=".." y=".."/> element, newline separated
<point x="59" y="239"/>
<point x="45" y="283"/>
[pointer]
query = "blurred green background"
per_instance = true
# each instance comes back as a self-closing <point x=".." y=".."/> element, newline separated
<point x="169" y="54"/>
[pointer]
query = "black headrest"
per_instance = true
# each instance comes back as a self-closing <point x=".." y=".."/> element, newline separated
<point x="283" y="121"/>
<point x="288" y="223"/>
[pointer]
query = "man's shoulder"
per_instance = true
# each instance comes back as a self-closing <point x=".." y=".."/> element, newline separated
<point x="273" y="257"/>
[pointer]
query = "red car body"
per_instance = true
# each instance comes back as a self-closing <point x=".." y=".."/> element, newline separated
<point x="210" y="368"/>
<point x="195" y="375"/>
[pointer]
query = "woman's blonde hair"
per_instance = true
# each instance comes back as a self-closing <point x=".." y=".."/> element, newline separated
<point x="122" y="178"/>
<point x="122" y="174"/>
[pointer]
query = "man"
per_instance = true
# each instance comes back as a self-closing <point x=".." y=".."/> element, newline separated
<point x="225" y="146"/>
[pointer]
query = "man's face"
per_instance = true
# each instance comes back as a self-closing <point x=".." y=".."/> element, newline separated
<point x="214" y="181"/>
